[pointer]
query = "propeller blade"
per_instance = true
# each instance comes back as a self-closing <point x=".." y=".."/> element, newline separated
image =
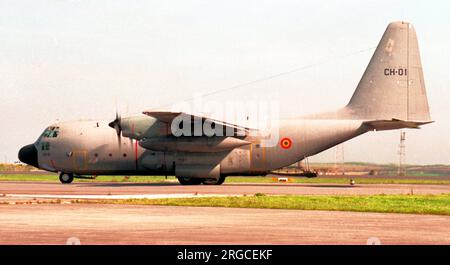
<point x="117" y="125"/>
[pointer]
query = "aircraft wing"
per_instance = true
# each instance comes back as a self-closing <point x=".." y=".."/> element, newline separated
<point x="169" y="116"/>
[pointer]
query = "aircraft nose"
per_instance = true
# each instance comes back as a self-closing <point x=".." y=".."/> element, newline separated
<point x="28" y="155"/>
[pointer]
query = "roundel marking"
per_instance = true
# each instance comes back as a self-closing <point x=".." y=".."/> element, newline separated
<point x="286" y="143"/>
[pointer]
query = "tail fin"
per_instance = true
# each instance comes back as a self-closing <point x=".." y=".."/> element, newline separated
<point x="392" y="86"/>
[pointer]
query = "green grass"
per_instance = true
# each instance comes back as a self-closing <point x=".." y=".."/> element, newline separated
<point x="340" y="180"/>
<point x="410" y="204"/>
<point x="26" y="177"/>
<point x="54" y="178"/>
<point x="426" y="174"/>
<point x="162" y="179"/>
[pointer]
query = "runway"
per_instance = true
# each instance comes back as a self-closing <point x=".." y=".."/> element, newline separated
<point x="131" y="224"/>
<point x="140" y="190"/>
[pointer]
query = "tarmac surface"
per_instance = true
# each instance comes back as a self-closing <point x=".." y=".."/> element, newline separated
<point x="22" y="221"/>
<point x="132" y="224"/>
<point x="139" y="189"/>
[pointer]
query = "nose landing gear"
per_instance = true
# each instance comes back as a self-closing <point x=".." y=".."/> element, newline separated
<point x="66" y="178"/>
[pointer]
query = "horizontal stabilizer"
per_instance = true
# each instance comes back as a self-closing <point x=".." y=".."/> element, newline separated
<point x="380" y="125"/>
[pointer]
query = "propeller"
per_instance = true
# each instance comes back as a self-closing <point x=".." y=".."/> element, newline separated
<point x="117" y="125"/>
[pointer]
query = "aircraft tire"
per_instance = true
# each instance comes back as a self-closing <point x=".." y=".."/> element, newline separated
<point x="66" y="178"/>
<point x="213" y="181"/>
<point x="189" y="181"/>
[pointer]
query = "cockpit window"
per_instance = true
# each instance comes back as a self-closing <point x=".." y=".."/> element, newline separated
<point x="45" y="146"/>
<point x="51" y="132"/>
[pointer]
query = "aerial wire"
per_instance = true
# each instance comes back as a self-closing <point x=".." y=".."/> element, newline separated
<point x="269" y="77"/>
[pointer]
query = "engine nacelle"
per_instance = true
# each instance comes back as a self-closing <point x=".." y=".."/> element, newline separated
<point x="192" y="144"/>
<point x="143" y="127"/>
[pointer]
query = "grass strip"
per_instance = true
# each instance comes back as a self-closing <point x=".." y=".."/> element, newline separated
<point x="170" y="179"/>
<point x="408" y="204"/>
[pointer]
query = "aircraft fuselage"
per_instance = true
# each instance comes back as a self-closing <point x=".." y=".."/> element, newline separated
<point x="92" y="148"/>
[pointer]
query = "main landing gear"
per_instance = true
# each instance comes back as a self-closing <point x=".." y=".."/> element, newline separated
<point x="189" y="181"/>
<point x="198" y="181"/>
<point x="66" y="178"/>
<point x="214" y="181"/>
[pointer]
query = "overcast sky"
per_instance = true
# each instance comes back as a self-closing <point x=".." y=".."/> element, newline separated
<point x="66" y="60"/>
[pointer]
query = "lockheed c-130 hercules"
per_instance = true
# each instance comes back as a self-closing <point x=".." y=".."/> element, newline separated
<point x="390" y="95"/>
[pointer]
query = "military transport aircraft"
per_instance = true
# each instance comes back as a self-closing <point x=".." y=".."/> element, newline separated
<point x="391" y="95"/>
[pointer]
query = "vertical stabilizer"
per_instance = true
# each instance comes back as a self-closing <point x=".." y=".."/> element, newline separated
<point x="393" y="86"/>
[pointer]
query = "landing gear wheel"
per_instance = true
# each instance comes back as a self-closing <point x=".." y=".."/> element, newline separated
<point x="189" y="181"/>
<point x="213" y="181"/>
<point x="66" y="178"/>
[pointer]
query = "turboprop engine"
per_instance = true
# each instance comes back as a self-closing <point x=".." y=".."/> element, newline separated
<point x="192" y="144"/>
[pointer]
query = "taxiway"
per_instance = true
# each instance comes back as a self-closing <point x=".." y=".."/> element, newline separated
<point x="23" y="221"/>
<point x="132" y="224"/>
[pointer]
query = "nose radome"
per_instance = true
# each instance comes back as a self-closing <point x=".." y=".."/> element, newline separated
<point x="28" y="155"/>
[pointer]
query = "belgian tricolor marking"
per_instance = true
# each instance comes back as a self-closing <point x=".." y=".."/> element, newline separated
<point x="286" y="143"/>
